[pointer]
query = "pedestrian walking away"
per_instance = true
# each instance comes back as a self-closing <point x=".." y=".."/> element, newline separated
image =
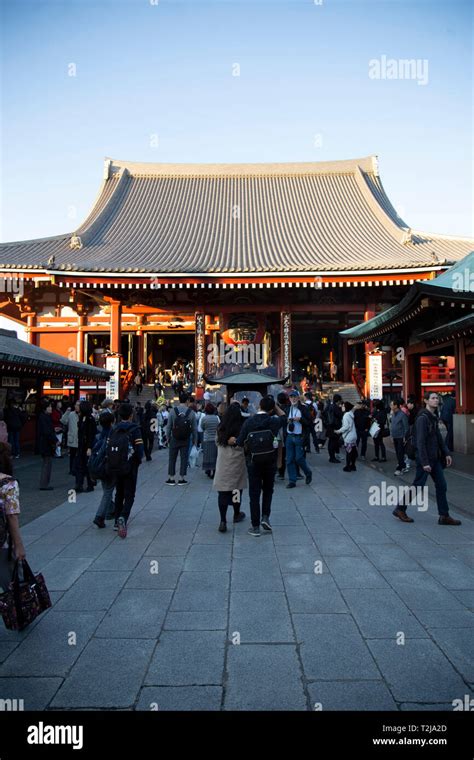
<point x="181" y="429"/>
<point x="380" y="417"/>
<point x="97" y="469"/>
<point x="124" y="456"/>
<point x="399" y="427"/>
<point x="70" y="422"/>
<point x="432" y="456"/>
<point x="86" y="433"/>
<point x="230" y="478"/>
<point x="259" y="437"/>
<point x="209" y="425"/>
<point x="332" y="420"/>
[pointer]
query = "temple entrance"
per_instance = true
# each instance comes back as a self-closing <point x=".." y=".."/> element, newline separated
<point x="164" y="349"/>
<point x="316" y="347"/>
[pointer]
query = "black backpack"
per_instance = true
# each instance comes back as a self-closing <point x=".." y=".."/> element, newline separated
<point x="119" y="453"/>
<point x="182" y="427"/>
<point x="259" y="446"/>
<point x="98" y="459"/>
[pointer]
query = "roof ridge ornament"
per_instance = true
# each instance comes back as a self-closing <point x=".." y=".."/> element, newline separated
<point x="107" y="168"/>
<point x="407" y="238"/>
<point x="75" y="243"/>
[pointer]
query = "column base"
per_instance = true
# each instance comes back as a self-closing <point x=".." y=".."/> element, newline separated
<point x="463" y="433"/>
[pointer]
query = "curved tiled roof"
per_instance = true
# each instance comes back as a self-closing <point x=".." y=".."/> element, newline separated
<point x="239" y="219"/>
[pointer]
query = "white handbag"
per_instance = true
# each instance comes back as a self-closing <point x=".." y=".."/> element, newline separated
<point x="374" y="429"/>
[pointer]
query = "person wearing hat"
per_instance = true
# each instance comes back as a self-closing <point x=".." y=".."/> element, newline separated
<point x="297" y="431"/>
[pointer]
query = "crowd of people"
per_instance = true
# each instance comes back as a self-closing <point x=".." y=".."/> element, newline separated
<point x="241" y="448"/>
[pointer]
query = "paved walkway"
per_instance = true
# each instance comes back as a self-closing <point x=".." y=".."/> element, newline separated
<point x="343" y="607"/>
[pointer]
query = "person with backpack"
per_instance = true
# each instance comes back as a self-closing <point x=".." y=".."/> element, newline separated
<point x="15" y="418"/>
<point x="432" y="456"/>
<point x="399" y="427"/>
<point x="97" y="468"/>
<point x="86" y="433"/>
<point x="180" y="430"/>
<point x="298" y="427"/>
<point x="332" y="420"/>
<point x="380" y="417"/>
<point x="231" y="473"/>
<point x="258" y="436"/>
<point x="46" y="444"/>
<point x="11" y="543"/>
<point x="124" y="456"/>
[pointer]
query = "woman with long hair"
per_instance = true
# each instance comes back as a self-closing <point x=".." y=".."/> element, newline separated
<point x="10" y="504"/>
<point x="349" y="435"/>
<point x="231" y="472"/>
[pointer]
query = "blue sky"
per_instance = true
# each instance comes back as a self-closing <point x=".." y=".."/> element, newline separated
<point x="165" y="69"/>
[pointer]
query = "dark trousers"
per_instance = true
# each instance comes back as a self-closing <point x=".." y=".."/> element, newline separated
<point x="351" y="457"/>
<point x="14" y="441"/>
<point x="45" y="476"/>
<point x="82" y="470"/>
<point x="261" y="481"/>
<point x="315" y="441"/>
<point x="440" y="485"/>
<point x="399" y="452"/>
<point x="333" y="445"/>
<point x="148" y="441"/>
<point x="281" y="470"/>
<point x="175" y="447"/>
<point x="449" y="440"/>
<point x="72" y="460"/>
<point x="125" y="488"/>
<point x="379" y="447"/>
<point x="362" y="436"/>
<point x="226" y="498"/>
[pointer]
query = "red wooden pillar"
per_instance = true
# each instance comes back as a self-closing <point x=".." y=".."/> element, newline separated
<point x="81" y="322"/>
<point x="115" y="326"/>
<point x="368" y="346"/>
<point x="30" y="334"/>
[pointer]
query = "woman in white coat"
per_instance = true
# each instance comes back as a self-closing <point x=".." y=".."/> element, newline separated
<point x="70" y="420"/>
<point x="349" y="435"/>
<point x="231" y="472"/>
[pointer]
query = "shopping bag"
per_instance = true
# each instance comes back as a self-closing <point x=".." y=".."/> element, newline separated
<point x="25" y="599"/>
<point x="193" y="455"/>
<point x="374" y="429"/>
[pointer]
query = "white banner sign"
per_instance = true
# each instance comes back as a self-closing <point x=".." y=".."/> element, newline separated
<point x="375" y="376"/>
<point x="112" y="386"/>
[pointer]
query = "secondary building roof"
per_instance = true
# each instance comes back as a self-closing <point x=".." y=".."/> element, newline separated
<point x="183" y="219"/>
<point x="16" y="354"/>
<point x="455" y="286"/>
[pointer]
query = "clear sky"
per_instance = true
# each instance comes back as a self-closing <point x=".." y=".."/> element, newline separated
<point x="155" y="82"/>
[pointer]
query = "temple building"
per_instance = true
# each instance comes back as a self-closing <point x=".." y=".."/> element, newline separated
<point x="236" y="267"/>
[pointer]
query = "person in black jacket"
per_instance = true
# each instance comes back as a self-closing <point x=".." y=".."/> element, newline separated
<point x="332" y="420"/>
<point x="261" y="474"/>
<point x="126" y="484"/>
<point x="148" y="427"/>
<point x="46" y="444"/>
<point x="86" y="433"/>
<point x="362" y="424"/>
<point x="14" y="418"/>
<point x="432" y="455"/>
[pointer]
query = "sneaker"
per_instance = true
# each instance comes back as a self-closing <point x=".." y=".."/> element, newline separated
<point x="266" y="524"/>
<point x="309" y="478"/>
<point x="398" y="471"/>
<point x="122" y="527"/>
<point x="405" y="469"/>
<point x="254" y="531"/>
<point x="115" y="525"/>
<point x="338" y="459"/>
<point x="182" y="482"/>
<point x="238" y="518"/>
<point x="447" y="520"/>
<point x="223" y="527"/>
<point x="291" y="485"/>
<point x="170" y="482"/>
<point x="346" y="469"/>
<point x="99" y="521"/>
<point x="402" y="515"/>
<point x="335" y="461"/>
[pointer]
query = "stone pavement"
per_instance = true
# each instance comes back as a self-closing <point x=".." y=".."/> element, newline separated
<point x="342" y="607"/>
